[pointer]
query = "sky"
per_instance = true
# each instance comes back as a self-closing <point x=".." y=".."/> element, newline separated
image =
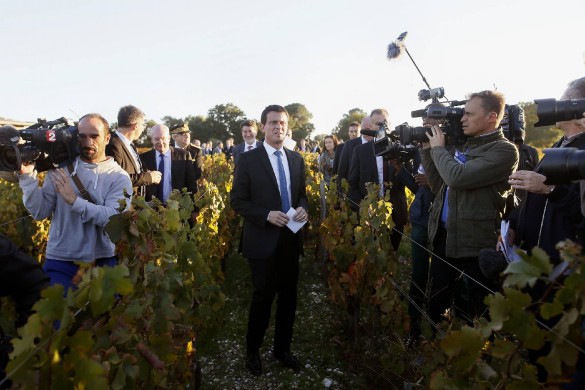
<point x="179" y="58"/>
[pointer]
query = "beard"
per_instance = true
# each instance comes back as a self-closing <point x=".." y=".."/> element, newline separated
<point x="89" y="154"/>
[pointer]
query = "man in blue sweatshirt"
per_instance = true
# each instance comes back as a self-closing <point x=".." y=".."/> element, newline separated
<point x="77" y="232"/>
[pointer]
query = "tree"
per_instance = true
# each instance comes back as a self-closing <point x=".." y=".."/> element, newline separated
<point x="299" y="121"/>
<point x="539" y="137"/>
<point x="198" y="128"/>
<point x="354" y="115"/>
<point x="223" y="121"/>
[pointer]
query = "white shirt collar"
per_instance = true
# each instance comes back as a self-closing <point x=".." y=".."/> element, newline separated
<point x="270" y="150"/>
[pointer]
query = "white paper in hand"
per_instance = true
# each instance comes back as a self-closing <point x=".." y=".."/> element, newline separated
<point x="293" y="225"/>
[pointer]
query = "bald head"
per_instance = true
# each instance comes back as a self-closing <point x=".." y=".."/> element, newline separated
<point x="366" y="122"/>
<point x="160" y="138"/>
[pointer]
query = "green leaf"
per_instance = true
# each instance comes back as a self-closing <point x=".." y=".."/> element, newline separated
<point x="464" y="347"/>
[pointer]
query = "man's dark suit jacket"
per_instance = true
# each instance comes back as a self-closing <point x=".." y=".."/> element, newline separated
<point x="337" y="157"/>
<point x="345" y="158"/>
<point x="182" y="172"/>
<point x="197" y="157"/>
<point x="241" y="148"/>
<point x="123" y="157"/>
<point x="255" y="193"/>
<point x="364" y="169"/>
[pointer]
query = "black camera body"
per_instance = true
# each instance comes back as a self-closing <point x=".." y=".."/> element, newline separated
<point x="551" y="111"/>
<point x="451" y="127"/>
<point x="390" y="147"/>
<point x="48" y="143"/>
<point x="562" y="165"/>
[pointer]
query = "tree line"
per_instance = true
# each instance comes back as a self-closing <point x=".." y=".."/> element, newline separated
<point x="223" y="121"/>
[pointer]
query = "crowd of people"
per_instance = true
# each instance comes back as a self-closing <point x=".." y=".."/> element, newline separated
<point x="462" y="191"/>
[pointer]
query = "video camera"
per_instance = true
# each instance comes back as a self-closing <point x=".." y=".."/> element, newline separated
<point x="390" y="147"/>
<point x="451" y="127"/>
<point x="48" y="143"/>
<point x="551" y="111"/>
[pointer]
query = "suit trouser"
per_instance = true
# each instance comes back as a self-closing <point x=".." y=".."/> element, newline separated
<point x="443" y="280"/>
<point x="275" y="275"/>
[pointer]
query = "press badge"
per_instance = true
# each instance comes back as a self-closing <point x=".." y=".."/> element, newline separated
<point x="460" y="157"/>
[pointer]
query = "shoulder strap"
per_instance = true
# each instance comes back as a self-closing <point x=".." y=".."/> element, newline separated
<point x="82" y="191"/>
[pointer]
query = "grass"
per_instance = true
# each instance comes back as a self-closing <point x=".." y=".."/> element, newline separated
<point x="319" y="340"/>
<point x="315" y="342"/>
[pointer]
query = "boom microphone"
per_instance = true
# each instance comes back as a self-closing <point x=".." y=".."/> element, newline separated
<point x="395" y="48"/>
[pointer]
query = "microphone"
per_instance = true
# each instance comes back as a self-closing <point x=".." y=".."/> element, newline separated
<point x="418" y="113"/>
<point x="395" y="48"/>
<point x="371" y="133"/>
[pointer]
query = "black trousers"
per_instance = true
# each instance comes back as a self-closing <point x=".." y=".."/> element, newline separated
<point x="448" y="285"/>
<point x="274" y="276"/>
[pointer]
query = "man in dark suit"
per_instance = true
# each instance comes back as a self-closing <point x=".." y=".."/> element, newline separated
<point x="353" y="132"/>
<point x="166" y="159"/>
<point x="268" y="181"/>
<point x="366" y="167"/>
<point x="182" y="137"/>
<point x="121" y="148"/>
<point x="249" y="132"/>
<point x="347" y="151"/>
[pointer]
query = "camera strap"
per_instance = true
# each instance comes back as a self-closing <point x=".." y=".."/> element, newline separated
<point x="82" y="191"/>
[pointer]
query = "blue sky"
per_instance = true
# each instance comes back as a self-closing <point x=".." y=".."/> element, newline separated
<point x="183" y="57"/>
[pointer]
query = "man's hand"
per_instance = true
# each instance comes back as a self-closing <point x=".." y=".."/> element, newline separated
<point x="421" y="179"/>
<point x="529" y="181"/>
<point x="27" y="168"/>
<point x="155" y="177"/>
<point x="436" y="137"/>
<point x="301" y="215"/>
<point x="62" y="183"/>
<point x="278" y="218"/>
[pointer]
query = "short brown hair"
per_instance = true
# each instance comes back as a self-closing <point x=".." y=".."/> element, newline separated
<point x="491" y="101"/>
<point x="129" y="115"/>
<point x="272" y="108"/>
<point x="249" y="123"/>
<point x="354" y="123"/>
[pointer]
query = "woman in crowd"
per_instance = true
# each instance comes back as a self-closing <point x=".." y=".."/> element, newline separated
<point x="325" y="161"/>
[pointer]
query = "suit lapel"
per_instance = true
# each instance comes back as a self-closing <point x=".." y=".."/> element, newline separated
<point x="129" y="155"/>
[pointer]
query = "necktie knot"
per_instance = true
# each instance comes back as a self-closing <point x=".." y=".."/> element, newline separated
<point x="249" y="147"/>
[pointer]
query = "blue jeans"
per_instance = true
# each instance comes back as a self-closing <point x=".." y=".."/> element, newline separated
<point x="62" y="272"/>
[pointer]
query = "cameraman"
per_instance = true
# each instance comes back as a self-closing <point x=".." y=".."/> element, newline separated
<point x="471" y="189"/>
<point x="77" y="232"/>
<point x="551" y="214"/>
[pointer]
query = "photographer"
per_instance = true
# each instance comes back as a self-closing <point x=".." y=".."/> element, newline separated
<point x="471" y="189"/>
<point x="551" y="214"/>
<point x="80" y="198"/>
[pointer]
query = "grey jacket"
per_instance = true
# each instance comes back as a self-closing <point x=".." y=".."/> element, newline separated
<point x="77" y="231"/>
<point x="477" y="192"/>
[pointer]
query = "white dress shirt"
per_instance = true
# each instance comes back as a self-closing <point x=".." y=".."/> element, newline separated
<point x="274" y="162"/>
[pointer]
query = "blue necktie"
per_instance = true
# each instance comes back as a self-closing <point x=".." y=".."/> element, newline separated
<point x="282" y="181"/>
<point x="161" y="169"/>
